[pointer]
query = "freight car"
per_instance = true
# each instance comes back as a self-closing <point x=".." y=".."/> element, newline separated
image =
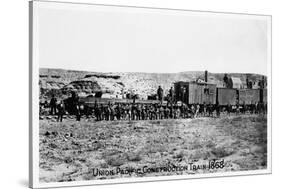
<point x="203" y="92"/>
<point x="225" y="96"/>
<point x="249" y="96"/>
<point x="195" y="93"/>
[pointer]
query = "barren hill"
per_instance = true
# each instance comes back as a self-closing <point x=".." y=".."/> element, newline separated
<point x="115" y="85"/>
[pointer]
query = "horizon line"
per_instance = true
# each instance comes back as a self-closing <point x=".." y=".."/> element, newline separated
<point x="155" y="72"/>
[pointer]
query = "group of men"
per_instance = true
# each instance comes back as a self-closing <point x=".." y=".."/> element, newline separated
<point x="138" y="111"/>
<point x="59" y="107"/>
<point x="253" y="108"/>
<point x="110" y="111"/>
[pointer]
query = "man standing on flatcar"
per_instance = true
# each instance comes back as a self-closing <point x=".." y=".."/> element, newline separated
<point x="160" y="94"/>
<point x="171" y="94"/>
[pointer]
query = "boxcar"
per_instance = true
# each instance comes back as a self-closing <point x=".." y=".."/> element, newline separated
<point x="226" y="96"/>
<point x="195" y="93"/>
<point x="249" y="96"/>
<point x="200" y="93"/>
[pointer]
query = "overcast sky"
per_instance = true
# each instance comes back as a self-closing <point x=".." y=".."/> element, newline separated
<point x="116" y="39"/>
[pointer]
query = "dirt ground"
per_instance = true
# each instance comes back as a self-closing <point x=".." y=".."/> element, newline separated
<point x="72" y="151"/>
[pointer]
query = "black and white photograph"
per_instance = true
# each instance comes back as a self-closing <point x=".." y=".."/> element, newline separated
<point x="132" y="94"/>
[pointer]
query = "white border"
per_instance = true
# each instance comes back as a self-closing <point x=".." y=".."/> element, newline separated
<point x="34" y="91"/>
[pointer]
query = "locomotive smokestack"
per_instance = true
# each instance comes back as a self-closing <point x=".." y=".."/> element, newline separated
<point x="206" y="76"/>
